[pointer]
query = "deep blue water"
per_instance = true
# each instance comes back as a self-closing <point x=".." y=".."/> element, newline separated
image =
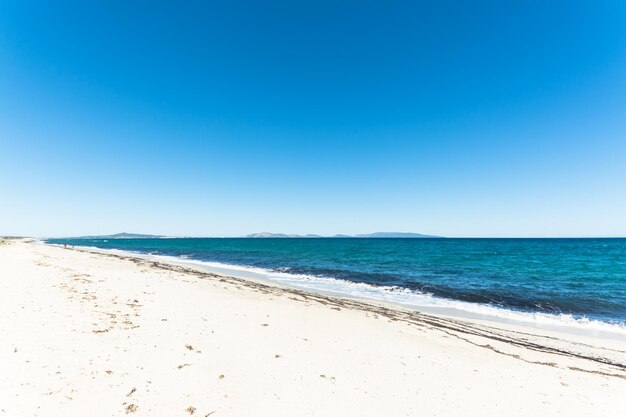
<point x="581" y="277"/>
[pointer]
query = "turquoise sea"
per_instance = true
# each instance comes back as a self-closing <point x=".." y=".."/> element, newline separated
<point x="576" y="280"/>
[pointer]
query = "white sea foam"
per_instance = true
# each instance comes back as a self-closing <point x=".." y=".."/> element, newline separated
<point x="414" y="299"/>
<point x="404" y="297"/>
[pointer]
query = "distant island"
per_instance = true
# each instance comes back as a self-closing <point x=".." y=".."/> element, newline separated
<point x="123" y="235"/>
<point x="368" y="235"/>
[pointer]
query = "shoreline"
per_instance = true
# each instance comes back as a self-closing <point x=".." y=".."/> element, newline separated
<point x="488" y="328"/>
<point x="332" y="287"/>
<point x="149" y="337"/>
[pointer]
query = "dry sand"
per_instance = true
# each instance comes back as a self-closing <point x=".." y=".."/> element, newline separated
<point x="88" y="334"/>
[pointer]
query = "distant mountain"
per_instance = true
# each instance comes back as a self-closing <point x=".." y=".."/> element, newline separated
<point x="267" y="234"/>
<point x="370" y="235"/>
<point x="121" y="236"/>
<point x="271" y="235"/>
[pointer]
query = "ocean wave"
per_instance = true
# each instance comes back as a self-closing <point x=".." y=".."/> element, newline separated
<point x="412" y="299"/>
<point x="408" y="298"/>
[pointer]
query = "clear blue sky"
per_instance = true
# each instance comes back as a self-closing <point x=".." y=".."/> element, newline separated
<point x="459" y="118"/>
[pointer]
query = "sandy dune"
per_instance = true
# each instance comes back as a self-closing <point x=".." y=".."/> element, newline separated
<point x="88" y="334"/>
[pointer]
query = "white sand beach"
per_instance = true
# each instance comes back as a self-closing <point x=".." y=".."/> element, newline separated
<point x="91" y="334"/>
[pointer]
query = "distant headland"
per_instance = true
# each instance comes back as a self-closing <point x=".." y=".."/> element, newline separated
<point x="125" y="235"/>
<point x="122" y="235"/>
